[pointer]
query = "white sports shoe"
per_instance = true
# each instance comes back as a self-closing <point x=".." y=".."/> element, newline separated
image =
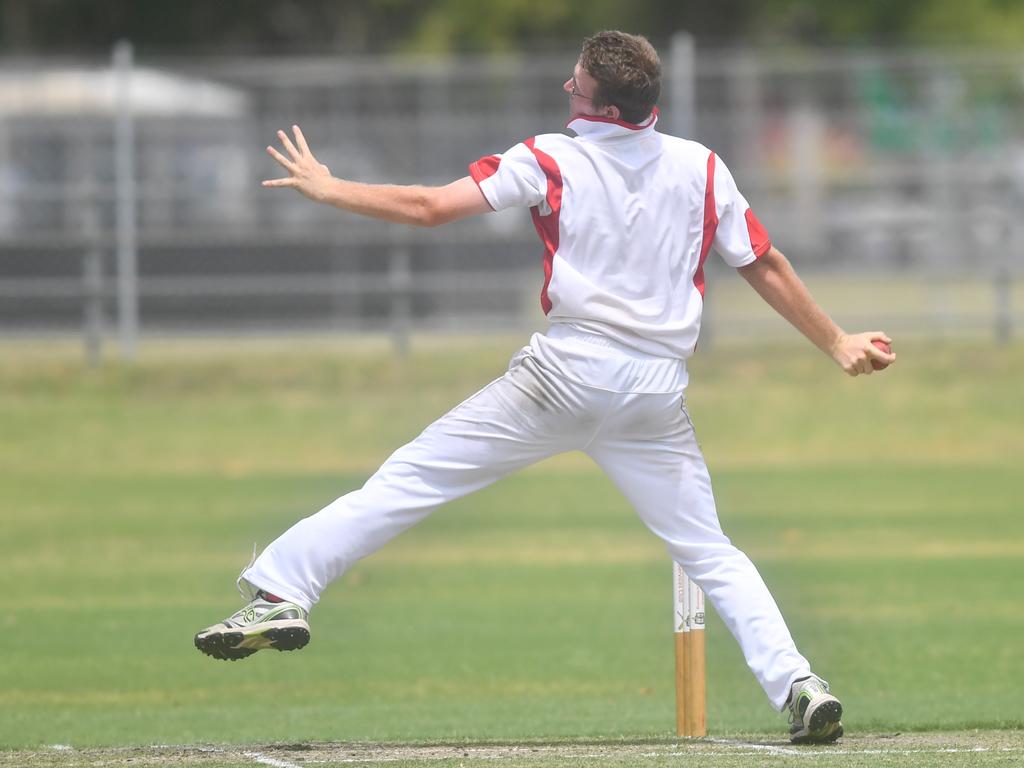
<point x="814" y="713"/>
<point x="265" y="622"/>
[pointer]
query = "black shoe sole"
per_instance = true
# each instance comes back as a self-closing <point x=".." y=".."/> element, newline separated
<point x="223" y="645"/>
<point x="828" y="714"/>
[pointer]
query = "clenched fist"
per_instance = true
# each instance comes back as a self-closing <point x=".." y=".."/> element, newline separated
<point x="857" y="353"/>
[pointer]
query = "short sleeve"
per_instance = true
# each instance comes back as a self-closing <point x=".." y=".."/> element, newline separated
<point x="510" y="180"/>
<point x="740" y="238"/>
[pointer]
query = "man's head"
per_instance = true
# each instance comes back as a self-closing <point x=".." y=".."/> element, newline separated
<point x="618" y="76"/>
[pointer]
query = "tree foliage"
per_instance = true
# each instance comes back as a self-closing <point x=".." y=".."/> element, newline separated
<point x="364" y="26"/>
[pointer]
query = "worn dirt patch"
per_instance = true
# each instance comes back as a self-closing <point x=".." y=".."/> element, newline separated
<point x="930" y="748"/>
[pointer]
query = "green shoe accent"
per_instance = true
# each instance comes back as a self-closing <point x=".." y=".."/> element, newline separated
<point x="258" y="625"/>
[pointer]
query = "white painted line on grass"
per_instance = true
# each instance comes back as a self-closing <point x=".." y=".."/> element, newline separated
<point x="771" y="749"/>
<point x="382" y="759"/>
<point x="259" y="757"/>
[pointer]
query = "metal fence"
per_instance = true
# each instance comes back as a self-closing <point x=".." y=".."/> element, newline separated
<point x="131" y="189"/>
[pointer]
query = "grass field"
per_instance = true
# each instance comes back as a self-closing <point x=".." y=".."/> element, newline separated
<point x="885" y="513"/>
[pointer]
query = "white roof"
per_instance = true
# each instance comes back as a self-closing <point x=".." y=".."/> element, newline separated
<point x="94" y="92"/>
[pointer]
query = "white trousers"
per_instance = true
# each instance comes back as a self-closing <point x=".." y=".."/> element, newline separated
<point x="644" y="442"/>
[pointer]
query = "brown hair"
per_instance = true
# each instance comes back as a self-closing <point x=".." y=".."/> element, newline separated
<point x="627" y="70"/>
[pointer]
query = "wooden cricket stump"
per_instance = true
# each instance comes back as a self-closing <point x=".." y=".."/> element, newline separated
<point x="688" y="616"/>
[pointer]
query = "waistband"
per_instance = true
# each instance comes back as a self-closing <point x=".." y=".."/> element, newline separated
<point x="572" y="332"/>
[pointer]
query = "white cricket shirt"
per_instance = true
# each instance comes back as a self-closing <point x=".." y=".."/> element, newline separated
<point x="627" y="216"/>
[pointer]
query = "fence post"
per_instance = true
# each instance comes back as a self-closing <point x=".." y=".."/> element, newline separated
<point x="124" y="161"/>
<point x="683" y="85"/>
<point x="400" y="281"/>
<point x="92" y="287"/>
<point x="1003" y="310"/>
<point x="683" y="89"/>
<point x="747" y="122"/>
<point x="807" y="175"/>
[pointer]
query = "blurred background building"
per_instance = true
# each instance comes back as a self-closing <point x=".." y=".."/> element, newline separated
<point x="882" y="147"/>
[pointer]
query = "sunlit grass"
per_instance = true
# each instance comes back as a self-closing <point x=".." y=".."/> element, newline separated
<point x="885" y="513"/>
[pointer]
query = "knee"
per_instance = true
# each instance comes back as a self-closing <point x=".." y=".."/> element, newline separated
<point x="707" y="557"/>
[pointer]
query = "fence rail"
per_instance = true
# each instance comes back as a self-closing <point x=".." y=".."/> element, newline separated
<point x="900" y="165"/>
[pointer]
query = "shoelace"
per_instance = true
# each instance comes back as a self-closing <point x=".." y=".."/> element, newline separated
<point x="247" y="594"/>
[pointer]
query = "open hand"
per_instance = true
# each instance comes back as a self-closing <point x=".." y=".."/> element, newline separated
<point x="854" y="353"/>
<point x="306" y="174"/>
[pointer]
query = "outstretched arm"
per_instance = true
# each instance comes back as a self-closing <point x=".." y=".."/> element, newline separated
<point x="420" y="206"/>
<point x="773" y="278"/>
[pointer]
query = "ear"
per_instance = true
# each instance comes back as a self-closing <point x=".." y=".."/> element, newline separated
<point x="613" y="112"/>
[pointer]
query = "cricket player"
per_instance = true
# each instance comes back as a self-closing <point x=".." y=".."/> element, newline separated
<point x="627" y="216"/>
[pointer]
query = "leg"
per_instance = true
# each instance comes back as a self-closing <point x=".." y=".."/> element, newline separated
<point x="515" y="421"/>
<point x="650" y="452"/>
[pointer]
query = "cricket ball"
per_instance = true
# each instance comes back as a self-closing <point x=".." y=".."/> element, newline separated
<point x="878" y="365"/>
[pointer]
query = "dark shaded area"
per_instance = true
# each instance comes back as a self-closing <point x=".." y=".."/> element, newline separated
<point x="376" y="26"/>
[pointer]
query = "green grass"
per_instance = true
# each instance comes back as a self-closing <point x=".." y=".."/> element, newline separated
<point x="885" y="514"/>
